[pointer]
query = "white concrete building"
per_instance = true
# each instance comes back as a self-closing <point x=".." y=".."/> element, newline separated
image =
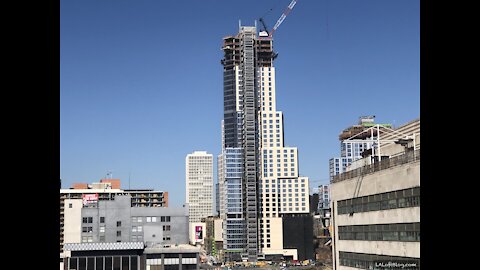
<point x="199" y="185"/>
<point x="376" y="204"/>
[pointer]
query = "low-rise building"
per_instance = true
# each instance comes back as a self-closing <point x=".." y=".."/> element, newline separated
<point x="117" y="220"/>
<point x="105" y="190"/>
<point x="376" y="204"/>
<point x="130" y="255"/>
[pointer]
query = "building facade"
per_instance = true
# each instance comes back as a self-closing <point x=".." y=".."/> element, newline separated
<point x="131" y="256"/>
<point x="106" y="190"/>
<point x="323" y="197"/>
<point x="117" y="221"/>
<point x="260" y="178"/>
<point x="199" y="185"/>
<point x="376" y="205"/>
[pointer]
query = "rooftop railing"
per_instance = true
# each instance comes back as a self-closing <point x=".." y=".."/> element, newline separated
<point x="406" y="157"/>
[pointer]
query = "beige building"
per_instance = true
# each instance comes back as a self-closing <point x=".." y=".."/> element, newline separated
<point x="283" y="191"/>
<point x="199" y="185"/>
<point x="376" y="204"/>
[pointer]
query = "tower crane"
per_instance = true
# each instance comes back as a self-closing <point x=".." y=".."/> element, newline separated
<point x="265" y="32"/>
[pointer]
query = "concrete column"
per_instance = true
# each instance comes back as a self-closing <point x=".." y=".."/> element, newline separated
<point x="162" y="257"/>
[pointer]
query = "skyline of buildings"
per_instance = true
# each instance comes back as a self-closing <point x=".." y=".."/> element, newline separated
<point x="261" y="199"/>
<point x="380" y="222"/>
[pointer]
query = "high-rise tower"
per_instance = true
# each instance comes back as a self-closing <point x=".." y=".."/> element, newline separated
<point x="258" y="174"/>
<point x="199" y="185"/>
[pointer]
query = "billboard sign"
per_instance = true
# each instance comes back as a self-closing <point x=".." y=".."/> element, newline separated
<point x="198" y="233"/>
<point x="89" y="199"/>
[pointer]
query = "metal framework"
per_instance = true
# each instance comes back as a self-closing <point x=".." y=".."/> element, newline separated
<point x="377" y="142"/>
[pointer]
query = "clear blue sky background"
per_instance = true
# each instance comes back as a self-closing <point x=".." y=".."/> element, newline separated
<point x="141" y="81"/>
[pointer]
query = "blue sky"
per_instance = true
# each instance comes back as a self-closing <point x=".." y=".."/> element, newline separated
<point x="141" y="81"/>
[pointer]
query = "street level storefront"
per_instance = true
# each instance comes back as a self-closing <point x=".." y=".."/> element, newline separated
<point x="129" y="256"/>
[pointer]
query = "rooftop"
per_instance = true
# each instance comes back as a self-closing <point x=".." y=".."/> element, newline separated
<point x="103" y="246"/>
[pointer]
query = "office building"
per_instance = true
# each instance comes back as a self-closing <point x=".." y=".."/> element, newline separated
<point x="116" y="220"/>
<point x="105" y="190"/>
<point x="323" y="197"/>
<point x="262" y="190"/>
<point x="376" y="203"/>
<point x="199" y="185"/>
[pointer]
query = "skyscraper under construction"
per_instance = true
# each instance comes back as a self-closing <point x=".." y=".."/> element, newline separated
<point x="261" y="192"/>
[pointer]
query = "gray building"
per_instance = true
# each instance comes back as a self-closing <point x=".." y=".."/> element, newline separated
<point x="117" y="221"/>
<point x="323" y="197"/>
<point x="106" y="190"/>
<point x="376" y="204"/>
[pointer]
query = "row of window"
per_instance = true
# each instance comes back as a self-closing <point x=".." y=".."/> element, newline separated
<point x="278" y="170"/>
<point x="265" y="174"/>
<point x="87" y="220"/>
<point x="271" y="115"/>
<point x="103" y="263"/>
<point x="102" y="220"/>
<point x="264" y="193"/>
<point x="383" y="201"/>
<point x="286" y="180"/>
<point x="406" y="232"/>
<point x="271" y="121"/>
<point x="284" y="199"/>
<point x="374" y="261"/>
<point x="279" y="161"/>
<point x="283" y="185"/>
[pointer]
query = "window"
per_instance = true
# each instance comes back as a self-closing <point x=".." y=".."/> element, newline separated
<point x="149" y="219"/>
<point x="119" y="223"/>
<point x="119" y="233"/>
<point x="70" y="205"/>
<point x="87" y="220"/>
<point x="102" y="219"/>
<point x="102" y="229"/>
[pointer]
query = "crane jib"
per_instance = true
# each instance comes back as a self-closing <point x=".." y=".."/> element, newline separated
<point x="292" y="4"/>
<point x="280" y="20"/>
